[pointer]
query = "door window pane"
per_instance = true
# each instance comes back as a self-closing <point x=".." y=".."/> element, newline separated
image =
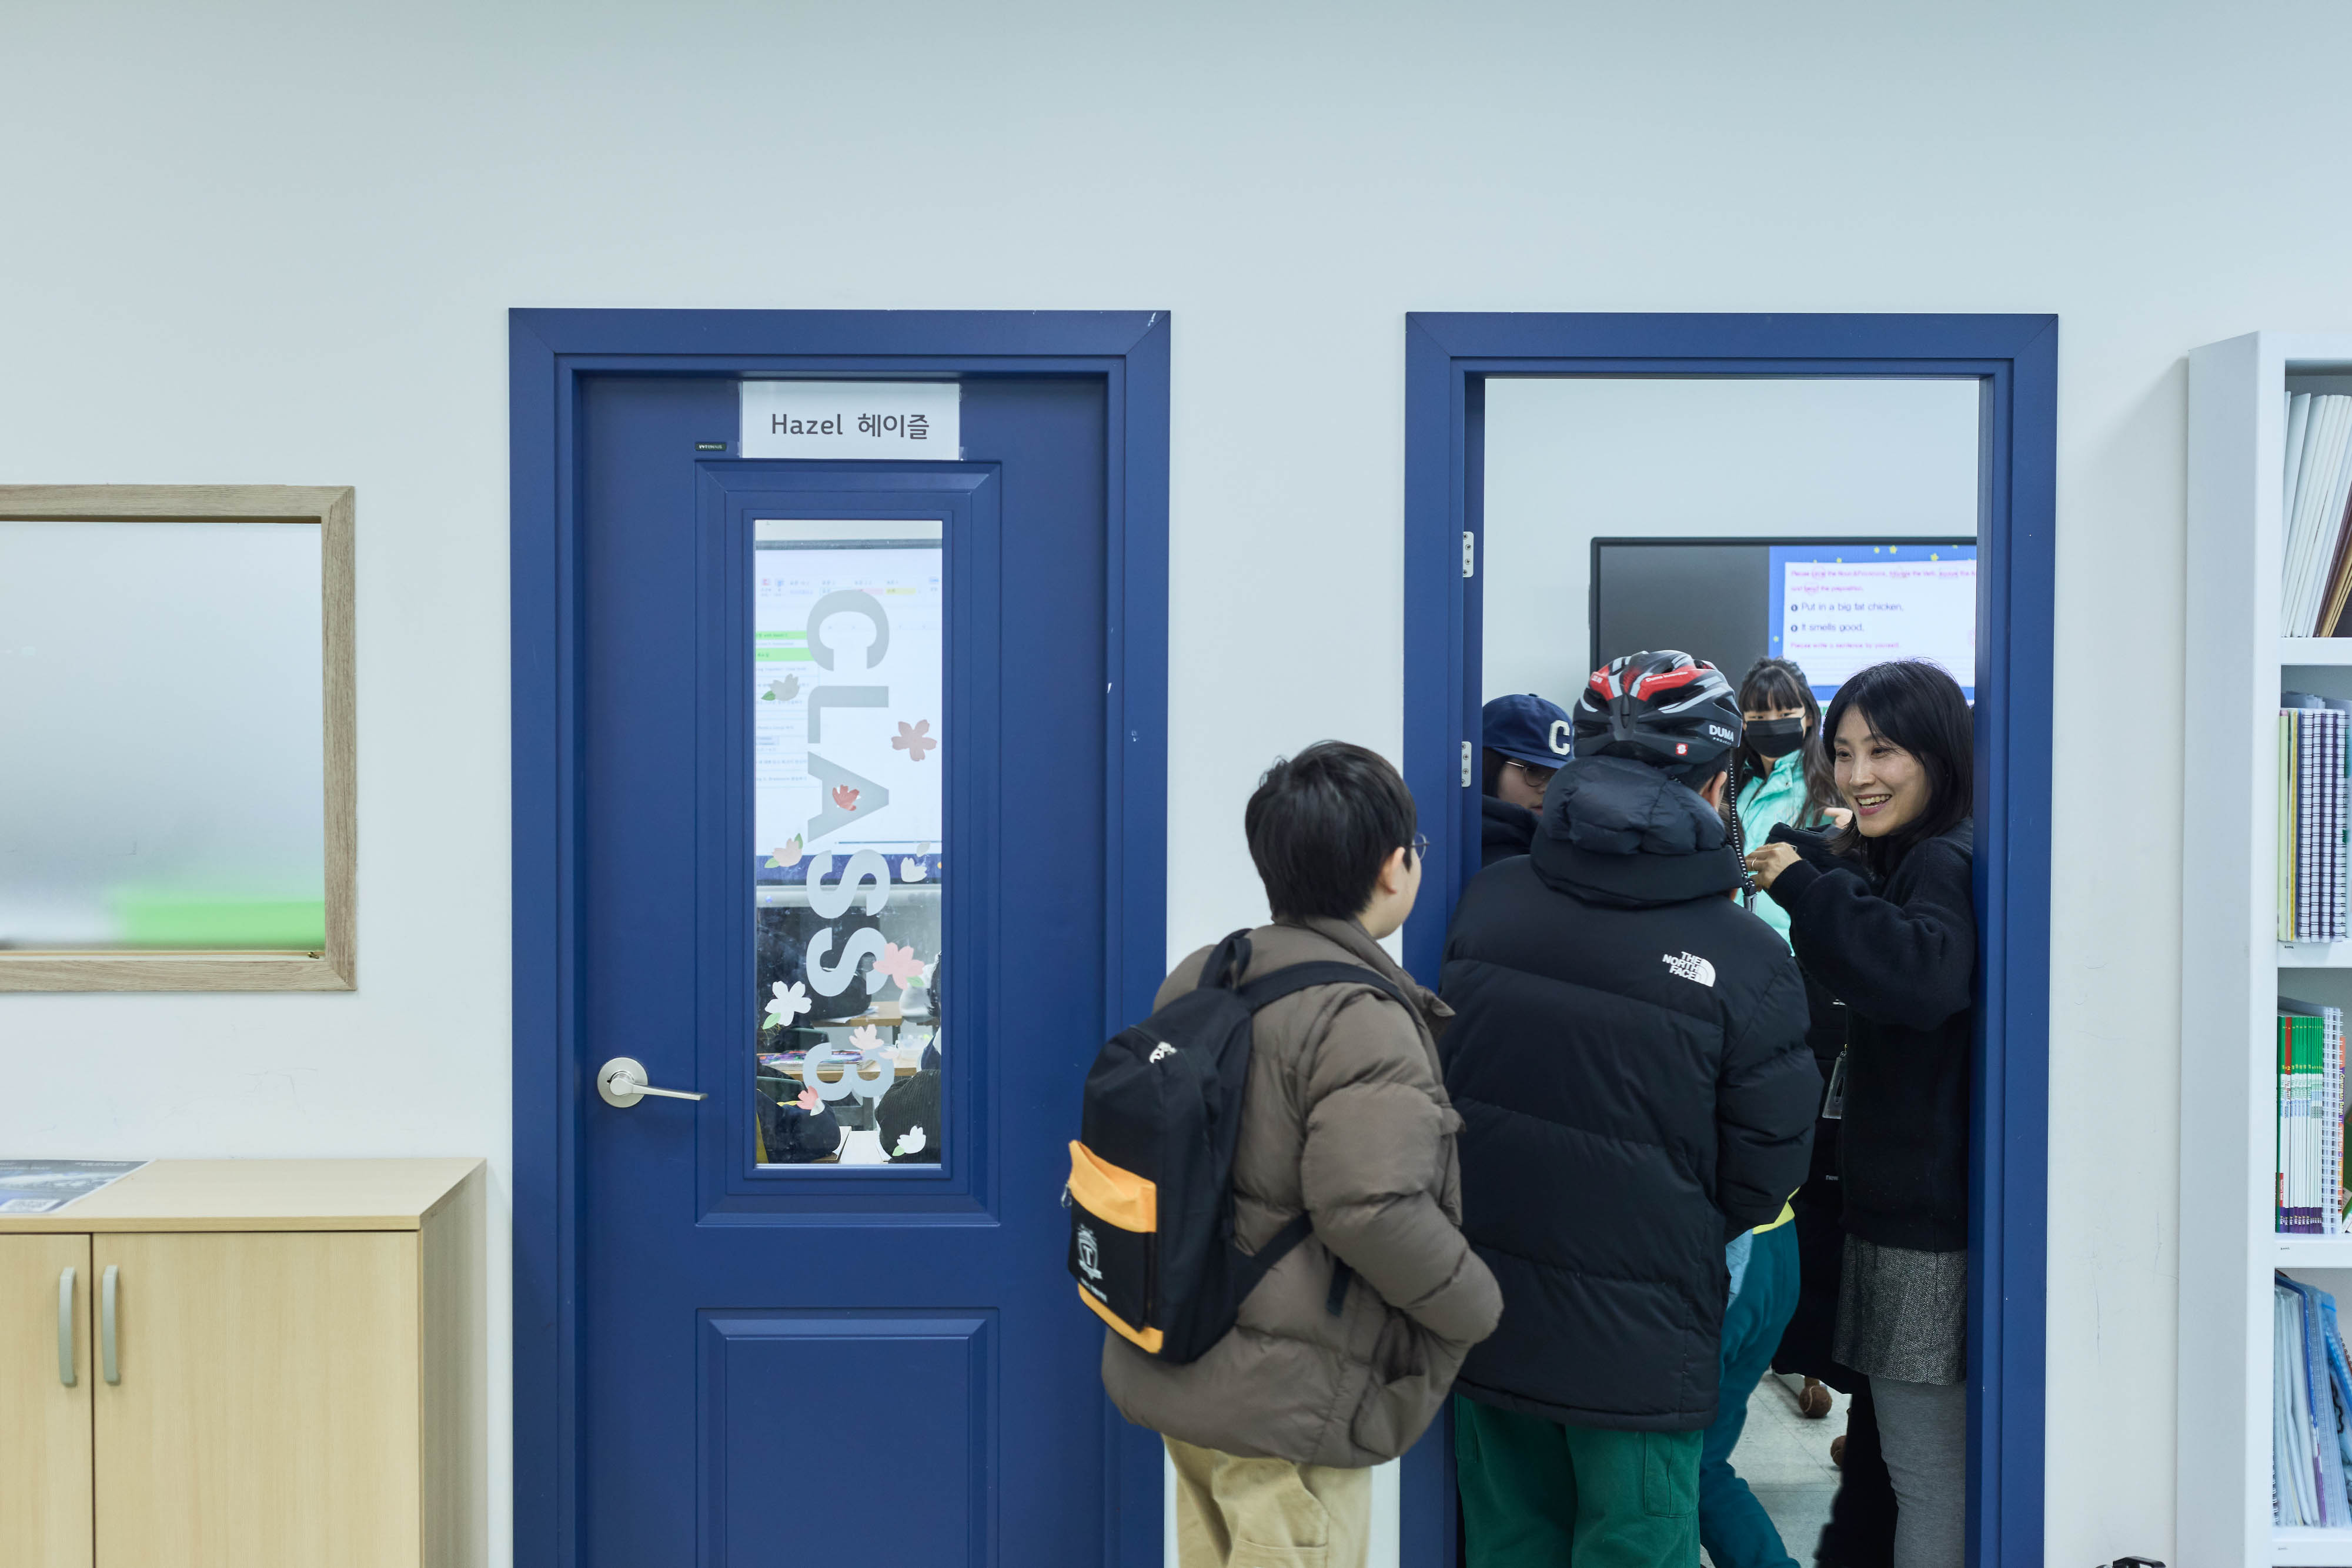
<point x="847" y="683"/>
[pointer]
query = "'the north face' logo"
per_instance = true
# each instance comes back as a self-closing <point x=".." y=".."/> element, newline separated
<point x="1691" y="966"/>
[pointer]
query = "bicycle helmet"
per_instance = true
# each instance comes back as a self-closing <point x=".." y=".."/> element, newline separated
<point x="1664" y="709"/>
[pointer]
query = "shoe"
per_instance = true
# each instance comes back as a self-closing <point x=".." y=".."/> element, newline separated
<point x="1837" y="1450"/>
<point x="1814" y="1400"/>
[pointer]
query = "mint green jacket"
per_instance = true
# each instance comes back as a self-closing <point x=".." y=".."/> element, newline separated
<point x="1764" y="803"/>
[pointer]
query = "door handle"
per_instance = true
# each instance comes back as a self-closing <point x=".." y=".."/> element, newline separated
<point x="64" y="1327"/>
<point x="109" y="1363"/>
<point x="622" y="1082"/>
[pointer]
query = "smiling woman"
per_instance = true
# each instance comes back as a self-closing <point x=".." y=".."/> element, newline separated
<point x="1904" y="754"/>
<point x="1883" y="913"/>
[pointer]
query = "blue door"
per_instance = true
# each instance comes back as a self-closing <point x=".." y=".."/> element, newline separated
<point x="841" y="870"/>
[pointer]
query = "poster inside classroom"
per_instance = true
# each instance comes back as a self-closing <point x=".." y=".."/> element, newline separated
<point x="1837" y="609"/>
<point x="848" y="667"/>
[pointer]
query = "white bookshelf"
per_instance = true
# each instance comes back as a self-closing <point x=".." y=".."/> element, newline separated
<point x="2319" y="1548"/>
<point x="2315" y="652"/>
<point x="2294" y="1253"/>
<point x="2233" y="966"/>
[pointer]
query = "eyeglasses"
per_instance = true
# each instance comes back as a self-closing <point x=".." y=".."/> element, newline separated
<point x="1420" y="846"/>
<point x="1538" y="777"/>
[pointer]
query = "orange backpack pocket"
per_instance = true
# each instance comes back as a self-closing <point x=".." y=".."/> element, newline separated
<point x="1115" y="1244"/>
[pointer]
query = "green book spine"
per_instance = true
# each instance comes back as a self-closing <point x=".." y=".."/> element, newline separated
<point x="2279" y="1133"/>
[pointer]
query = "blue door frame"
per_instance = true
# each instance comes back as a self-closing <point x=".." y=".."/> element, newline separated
<point x="548" y="353"/>
<point x="2014" y="359"/>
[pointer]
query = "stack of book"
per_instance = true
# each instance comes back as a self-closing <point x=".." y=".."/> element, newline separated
<point x="2310" y="1148"/>
<point x="2318" y="572"/>
<point x="2312" y="864"/>
<point x="2311" y="1392"/>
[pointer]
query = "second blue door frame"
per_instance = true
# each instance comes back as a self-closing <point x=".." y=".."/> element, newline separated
<point x="2014" y="359"/>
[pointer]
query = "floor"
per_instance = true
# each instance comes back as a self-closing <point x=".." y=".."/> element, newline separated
<point x="1785" y="1460"/>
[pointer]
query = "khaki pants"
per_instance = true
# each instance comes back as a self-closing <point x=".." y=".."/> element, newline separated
<point x="1268" y="1513"/>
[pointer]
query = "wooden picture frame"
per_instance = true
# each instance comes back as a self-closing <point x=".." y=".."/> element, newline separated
<point x="335" y="966"/>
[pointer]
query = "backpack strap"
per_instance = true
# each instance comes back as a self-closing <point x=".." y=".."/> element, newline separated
<point x="1251" y="1267"/>
<point x="1336" y="1301"/>
<point x="1226" y="963"/>
<point x="1280" y="983"/>
<point x="1273" y="988"/>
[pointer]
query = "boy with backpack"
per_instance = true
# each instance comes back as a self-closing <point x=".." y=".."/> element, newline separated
<point x="1322" y="1337"/>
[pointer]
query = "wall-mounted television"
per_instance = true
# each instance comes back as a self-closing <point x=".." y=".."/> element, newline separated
<point x="1834" y="605"/>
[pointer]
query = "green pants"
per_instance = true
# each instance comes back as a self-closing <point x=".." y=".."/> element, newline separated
<point x="1535" y="1494"/>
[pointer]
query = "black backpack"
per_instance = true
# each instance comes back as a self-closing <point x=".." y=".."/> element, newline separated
<point x="1150" y="1192"/>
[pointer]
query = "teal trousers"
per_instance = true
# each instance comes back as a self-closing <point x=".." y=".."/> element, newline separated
<point x="1732" y="1525"/>
<point x="1538" y="1494"/>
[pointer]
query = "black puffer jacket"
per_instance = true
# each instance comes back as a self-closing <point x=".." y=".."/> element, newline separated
<point x="1903" y="957"/>
<point x="1629" y="1059"/>
<point x="1504" y="830"/>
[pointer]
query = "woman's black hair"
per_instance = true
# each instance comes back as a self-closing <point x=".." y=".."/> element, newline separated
<point x="1490" y="770"/>
<point x="1919" y="707"/>
<point x="1321" y="826"/>
<point x="1777" y="684"/>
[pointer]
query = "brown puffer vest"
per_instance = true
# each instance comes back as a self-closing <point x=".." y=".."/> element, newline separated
<point x="1345" y="1118"/>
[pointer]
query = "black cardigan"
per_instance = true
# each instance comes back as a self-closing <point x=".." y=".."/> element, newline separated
<point x="1903" y="959"/>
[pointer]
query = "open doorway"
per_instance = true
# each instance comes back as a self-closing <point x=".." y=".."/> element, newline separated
<point x="1824" y="522"/>
<point x="1833" y="490"/>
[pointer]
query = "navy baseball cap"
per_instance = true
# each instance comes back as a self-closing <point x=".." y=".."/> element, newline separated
<point x="1529" y="730"/>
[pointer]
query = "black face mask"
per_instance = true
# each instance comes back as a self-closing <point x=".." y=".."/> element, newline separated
<point x="1774" y="737"/>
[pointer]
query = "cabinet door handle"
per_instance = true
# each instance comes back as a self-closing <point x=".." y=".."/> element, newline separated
<point x="108" y="1361"/>
<point x="65" y="1328"/>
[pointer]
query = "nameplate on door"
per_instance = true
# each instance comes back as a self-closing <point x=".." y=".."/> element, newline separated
<point x="894" y="420"/>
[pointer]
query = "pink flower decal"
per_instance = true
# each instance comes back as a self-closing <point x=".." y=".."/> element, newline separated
<point x="807" y="1100"/>
<point x="845" y="797"/>
<point x="915" y="738"/>
<point x="897" y="962"/>
<point x="865" y="1037"/>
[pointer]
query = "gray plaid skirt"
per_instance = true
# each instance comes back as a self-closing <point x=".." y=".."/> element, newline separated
<point x="1903" y="1314"/>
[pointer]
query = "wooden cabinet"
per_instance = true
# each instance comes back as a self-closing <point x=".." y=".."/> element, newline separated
<point x="45" y="1471"/>
<point x="297" y="1355"/>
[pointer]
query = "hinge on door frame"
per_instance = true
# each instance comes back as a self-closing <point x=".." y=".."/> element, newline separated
<point x="1469" y="553"/>
<point x="1465" y="764"/>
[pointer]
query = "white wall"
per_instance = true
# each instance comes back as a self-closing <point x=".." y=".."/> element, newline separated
<point x="275" y="242"/>
<point x="1572" y="458"/>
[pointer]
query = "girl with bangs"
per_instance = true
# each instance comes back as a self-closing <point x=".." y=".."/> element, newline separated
<point x="1784" y="772"/>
